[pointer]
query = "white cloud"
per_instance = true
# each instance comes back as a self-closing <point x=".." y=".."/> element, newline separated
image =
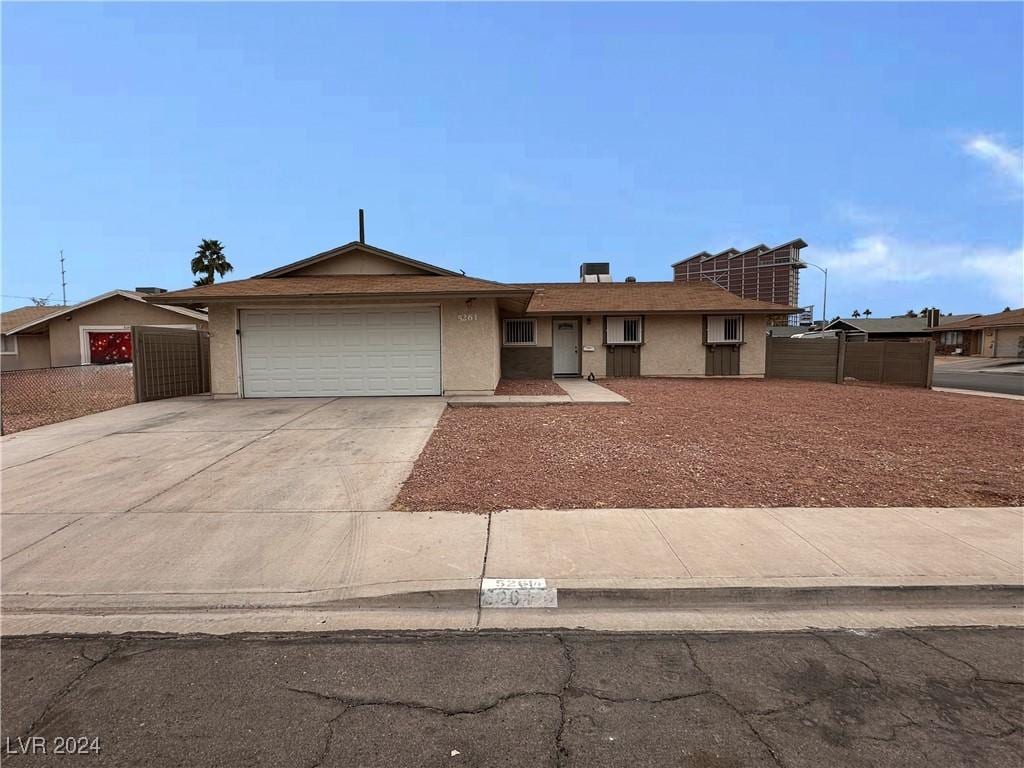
<point x="1004" y="159"/>
<point x="880" y="258"/>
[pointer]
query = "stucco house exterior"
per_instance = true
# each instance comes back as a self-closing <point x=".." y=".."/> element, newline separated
<point x="997" y="335"/>
<point x="95" y="331"/>
<point x="359" y="320"/>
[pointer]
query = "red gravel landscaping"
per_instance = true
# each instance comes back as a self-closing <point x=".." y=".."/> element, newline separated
<point x="528" y="387"/>
<point x="742" y="443"/>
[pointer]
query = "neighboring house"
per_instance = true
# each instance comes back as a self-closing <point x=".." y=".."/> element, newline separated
<point x="894" y="328"/>
<point x="94" y="331"/>
<point x="358" y="320"/>
<point x="789" y="331"/>
<point x="997" y="335"/>
<point x="761" y="273"/>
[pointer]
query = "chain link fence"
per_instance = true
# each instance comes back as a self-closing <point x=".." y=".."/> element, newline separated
<point x="41" y="396"/>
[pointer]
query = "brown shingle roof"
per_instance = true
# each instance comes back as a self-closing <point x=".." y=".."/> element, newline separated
<point x="336" y="285"/>
<point x="22" y="315"/>
<point x="999" y="319"/>
<point x="597" y="298"/>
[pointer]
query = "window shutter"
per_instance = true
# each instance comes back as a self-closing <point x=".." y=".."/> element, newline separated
<point x="623" y="330"/>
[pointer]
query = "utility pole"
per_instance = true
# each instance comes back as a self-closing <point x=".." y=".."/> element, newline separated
<point x="63" y="283"/>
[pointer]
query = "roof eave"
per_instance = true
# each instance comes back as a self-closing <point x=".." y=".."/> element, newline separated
<point x="504" y="294"/>
<point x="706" y="311"/>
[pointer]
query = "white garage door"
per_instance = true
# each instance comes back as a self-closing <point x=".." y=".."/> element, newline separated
<point x="1010" y="342"/>
<point x="341" y="352"/>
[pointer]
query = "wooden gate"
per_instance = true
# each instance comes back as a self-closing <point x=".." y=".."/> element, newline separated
<point x="722" y="360"/>
<point x="170" y="362"/>
<point x="624" y="360"/>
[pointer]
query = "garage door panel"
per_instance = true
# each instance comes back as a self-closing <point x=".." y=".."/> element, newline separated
<point x="324" y="352"/>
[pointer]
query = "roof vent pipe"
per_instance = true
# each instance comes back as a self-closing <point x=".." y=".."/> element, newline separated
<point x="630" y="279"/>
<point x="362" y="228"/>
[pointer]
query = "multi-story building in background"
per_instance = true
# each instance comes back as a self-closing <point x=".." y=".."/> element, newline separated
<point x="761" y="273"/>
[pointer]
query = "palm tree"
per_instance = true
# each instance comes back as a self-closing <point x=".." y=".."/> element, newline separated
<point x="209" y="260"/>
<point x="867" y="313"/>
<point x="855" y="313"/>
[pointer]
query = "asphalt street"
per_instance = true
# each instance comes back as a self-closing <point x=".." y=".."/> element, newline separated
<point x="1003" y="383"/>
<point x="829" y="698"/>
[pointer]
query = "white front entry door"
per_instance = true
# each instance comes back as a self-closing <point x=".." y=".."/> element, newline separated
<point x="566" y="352"/>
<point x="340" y="352"/>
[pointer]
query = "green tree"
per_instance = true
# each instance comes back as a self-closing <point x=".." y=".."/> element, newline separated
<point x="867" y="313"/>
<point x="855" y="313"/>
<point x="209" y="261"/>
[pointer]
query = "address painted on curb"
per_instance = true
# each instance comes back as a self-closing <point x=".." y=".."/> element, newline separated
<point x="517" y="593"/>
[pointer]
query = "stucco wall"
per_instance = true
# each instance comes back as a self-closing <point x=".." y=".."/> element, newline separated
<point x="66" y="340"/>
<point x="672" y="346"/>
<point x="223" y="350"/>
<point x="470" y="348"/>
<point x="470" y="359"/>
<point x="755" y="332"/>
<point x="33" y="352"/>
<point x="593" y="336"/>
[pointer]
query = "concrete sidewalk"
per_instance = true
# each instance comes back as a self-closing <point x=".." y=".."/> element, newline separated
<point x="978" y="393"/>
<point x="191" y="571"/>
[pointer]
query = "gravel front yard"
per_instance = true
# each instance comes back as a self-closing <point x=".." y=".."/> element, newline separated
<point x="743" y="443"/>
<point x="528" y="387"/>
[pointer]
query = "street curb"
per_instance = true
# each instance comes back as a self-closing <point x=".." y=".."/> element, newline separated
<point x="705" y="599"/>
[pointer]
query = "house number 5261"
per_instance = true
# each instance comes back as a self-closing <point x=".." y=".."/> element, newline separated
<point x="467" y="318"/>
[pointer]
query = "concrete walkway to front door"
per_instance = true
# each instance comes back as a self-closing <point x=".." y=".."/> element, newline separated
<point x="577" y="392"/>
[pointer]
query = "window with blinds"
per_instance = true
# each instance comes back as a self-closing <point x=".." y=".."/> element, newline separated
<point x="725" y="329"/>
<point x="623" y="330"/>
<point x="520" y="333"/>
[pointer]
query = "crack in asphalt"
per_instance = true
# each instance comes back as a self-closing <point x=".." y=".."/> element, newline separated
<point x="564" y="683"/>
<point x="65" y="690"/>
<point x="733" y="707"/>
<point x="358" y="703"/>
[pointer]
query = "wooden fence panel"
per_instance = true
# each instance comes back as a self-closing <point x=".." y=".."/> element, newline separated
<point x="170" y="362"/>
<point x="907" y="363"/>
<point x="813" y="359"/>
<point x="864" y="361"/>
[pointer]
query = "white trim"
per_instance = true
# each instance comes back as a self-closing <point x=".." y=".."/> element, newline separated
<point x="61" y="311"/>
<point x="504" y="331"/>
<point x="85" y="330"/>
<point x="15" y="340"/>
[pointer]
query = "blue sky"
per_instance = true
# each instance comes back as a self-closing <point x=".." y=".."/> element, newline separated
<point x="514" y="141"/>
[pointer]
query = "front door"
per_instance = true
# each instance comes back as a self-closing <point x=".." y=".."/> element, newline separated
<point x="566" y="349"/>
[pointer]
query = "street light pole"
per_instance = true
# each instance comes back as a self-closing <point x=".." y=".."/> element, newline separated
<point x="824" y="298"/>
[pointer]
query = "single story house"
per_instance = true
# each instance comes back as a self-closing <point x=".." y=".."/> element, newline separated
<point x="918" y="328"/>
<point x="96" y="331"/>
<point x="359" y="320"/>
<point x="997" y="335"/>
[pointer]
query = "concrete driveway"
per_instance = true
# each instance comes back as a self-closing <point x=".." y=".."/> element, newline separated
<point x="201" y="455"/>
<point x="184" y="502"/>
